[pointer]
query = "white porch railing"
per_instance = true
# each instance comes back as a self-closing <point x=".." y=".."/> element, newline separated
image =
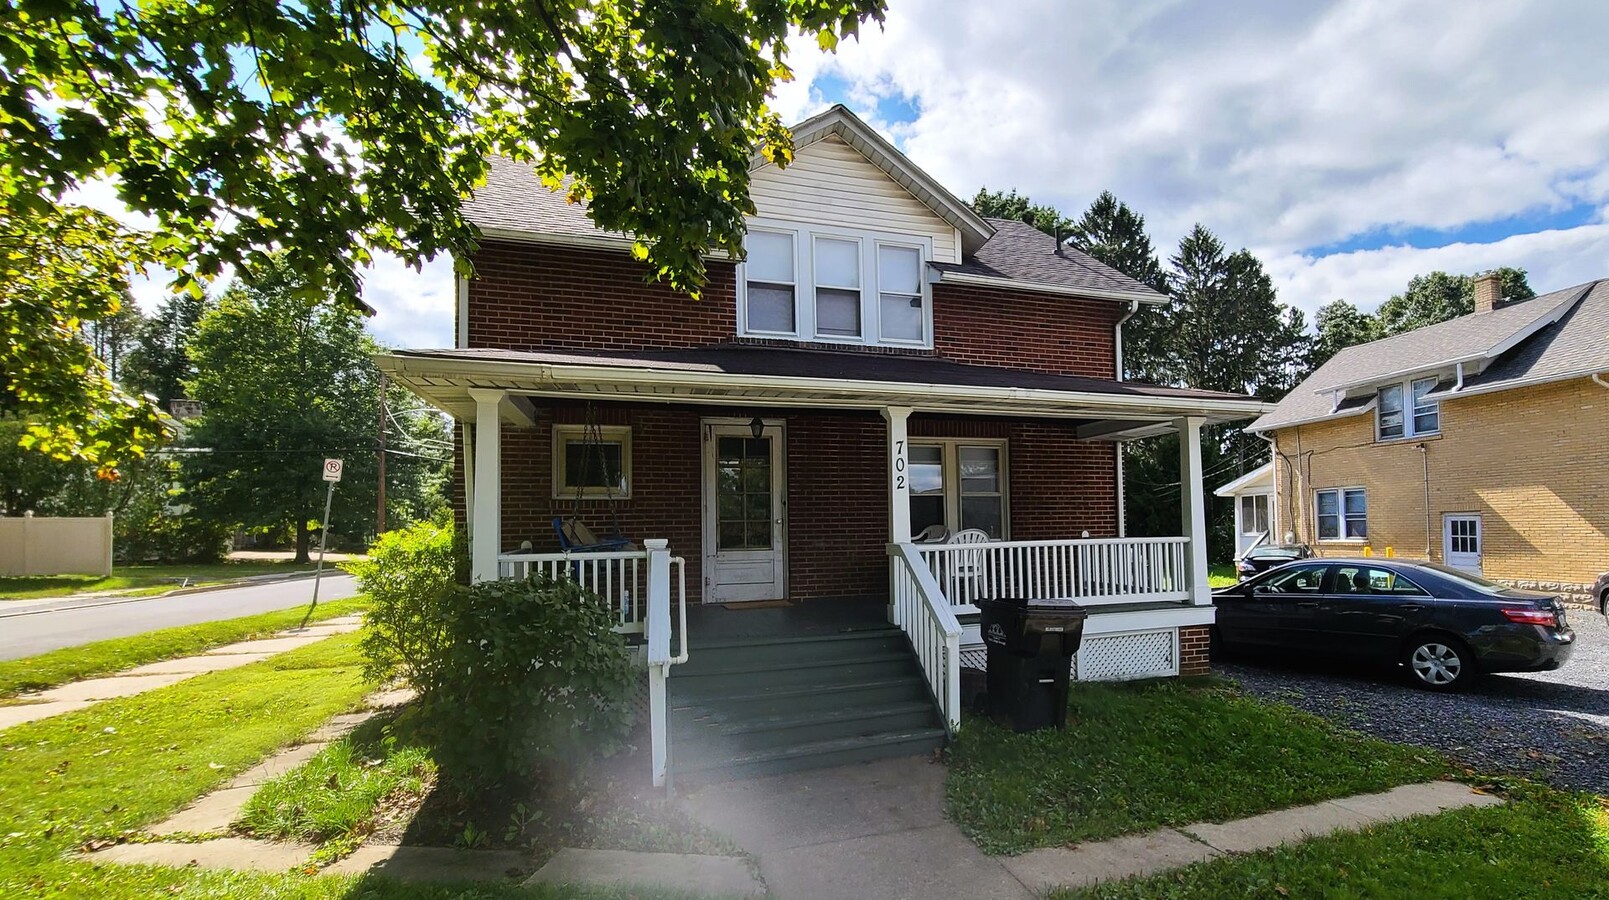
<point x="619" y="577"/>
<point x="637" y="585"/>
<point x="1093" y="572"/>
<point x="921" y="611"/>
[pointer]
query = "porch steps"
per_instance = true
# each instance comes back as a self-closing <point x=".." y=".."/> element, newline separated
<point x="765" y="705"/>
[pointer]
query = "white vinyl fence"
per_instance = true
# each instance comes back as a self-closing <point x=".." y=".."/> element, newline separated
<point x="36" y="545"/>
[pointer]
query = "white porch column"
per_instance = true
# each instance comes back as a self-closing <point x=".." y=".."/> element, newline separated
<point x="1193" y="507"/>
<point x="487" y="536"/>
<point x="899" y="480"/>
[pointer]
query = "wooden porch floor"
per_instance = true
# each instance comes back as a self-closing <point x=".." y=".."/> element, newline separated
<point x="708" y="623"/>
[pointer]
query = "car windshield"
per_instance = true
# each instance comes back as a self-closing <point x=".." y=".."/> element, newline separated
<point x="1459" y="576"/>
<point x="1276" y="552"/>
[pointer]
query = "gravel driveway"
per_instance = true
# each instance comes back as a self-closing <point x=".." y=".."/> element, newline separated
<point x="1553" y="726"/>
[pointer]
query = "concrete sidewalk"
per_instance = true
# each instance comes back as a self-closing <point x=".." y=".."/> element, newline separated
<point x="80" y="694"/>
<point x="879" y="830"/>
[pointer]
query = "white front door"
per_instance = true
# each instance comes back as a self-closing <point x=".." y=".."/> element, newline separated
<point x="1461" y="542"/>
<point x="745" y="513"/>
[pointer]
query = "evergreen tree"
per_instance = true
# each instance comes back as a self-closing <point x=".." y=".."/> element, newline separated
<point x="1115" y="234"/>
<point x="1342" y="325"/>
<point x="1012" y="205"/>
<point x="113" y="337"/>
<point x="159" y="363"/>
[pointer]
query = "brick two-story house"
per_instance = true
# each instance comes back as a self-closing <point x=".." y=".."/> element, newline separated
<point x="884" y="366"/>
<point x="1476" y="442"/>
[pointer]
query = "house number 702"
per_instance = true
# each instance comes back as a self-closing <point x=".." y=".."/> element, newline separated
<point x="899" y="465"/>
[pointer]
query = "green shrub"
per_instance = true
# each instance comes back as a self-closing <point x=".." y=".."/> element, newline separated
<point x="409" y="579"/>
<point x="533" y="673"/>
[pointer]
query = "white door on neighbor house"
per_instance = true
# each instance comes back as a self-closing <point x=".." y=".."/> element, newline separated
<point x="1461" y="542"/>
<point x="745" y="513"/>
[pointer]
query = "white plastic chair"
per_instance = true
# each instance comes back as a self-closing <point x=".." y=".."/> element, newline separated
<point x="966" y="566"/>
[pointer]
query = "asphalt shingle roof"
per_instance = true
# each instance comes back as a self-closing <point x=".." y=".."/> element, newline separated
<point x="1576" y="342"/>
<point x="1020" y="252"/>
<point x="514" y="199"/>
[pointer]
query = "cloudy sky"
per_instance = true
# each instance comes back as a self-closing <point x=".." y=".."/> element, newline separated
<point x="1350" y="145"/>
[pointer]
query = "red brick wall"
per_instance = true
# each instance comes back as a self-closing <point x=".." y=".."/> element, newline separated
<point x="837" y="497"/>
<point x="1020" y="330"/>
<point x="541" y="297"/>
<point x="1193" y="643"/>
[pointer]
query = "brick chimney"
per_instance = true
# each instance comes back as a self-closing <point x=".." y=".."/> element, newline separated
<point x="1488" y="292"/>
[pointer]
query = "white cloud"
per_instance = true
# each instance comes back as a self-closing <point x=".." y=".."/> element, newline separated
<point x="1283" y="127"/>
<point x="412" y="309"/>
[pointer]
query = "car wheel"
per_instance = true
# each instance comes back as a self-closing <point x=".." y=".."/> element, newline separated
<point x="1603" y="603"/>
<point x="1439" y="663"/>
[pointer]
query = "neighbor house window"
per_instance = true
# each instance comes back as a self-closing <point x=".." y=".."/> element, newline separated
<point x="1343" y="514"/>
<point x="1253" y="513"/>
<point x="959" y="485"/>
<point x="835" y="286"/>
<point x="1422" y="416"/>
<point x="595" y="464"/>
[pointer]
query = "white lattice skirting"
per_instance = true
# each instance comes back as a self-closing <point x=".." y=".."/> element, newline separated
<point x="1112" y="657"/>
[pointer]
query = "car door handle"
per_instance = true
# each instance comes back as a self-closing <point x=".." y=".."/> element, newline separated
<point x="1307" y="604"/>
<point x="1411" y="607"/>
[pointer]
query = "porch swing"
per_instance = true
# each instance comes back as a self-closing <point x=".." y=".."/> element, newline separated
<point x="574" y="535"/>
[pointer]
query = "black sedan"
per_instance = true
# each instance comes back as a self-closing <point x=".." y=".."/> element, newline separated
<point x="1266" y="556"/>
<point x="1601" y="591"/>
<point x="1443" y="625"/>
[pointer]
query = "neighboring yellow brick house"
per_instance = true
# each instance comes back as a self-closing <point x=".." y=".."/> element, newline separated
<point x="1481" y="442"/>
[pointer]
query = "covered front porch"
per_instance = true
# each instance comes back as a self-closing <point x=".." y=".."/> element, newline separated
<point x="754" y="481"/>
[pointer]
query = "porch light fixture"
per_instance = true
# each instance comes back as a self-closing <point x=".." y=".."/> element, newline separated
<point x="756" y="427"/>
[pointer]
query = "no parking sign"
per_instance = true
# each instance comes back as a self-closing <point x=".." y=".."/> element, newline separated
<point x="332" y="470"/>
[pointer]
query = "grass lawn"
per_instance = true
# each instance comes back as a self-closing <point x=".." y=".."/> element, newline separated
<point x="102" y="657"/>
<point x="124" y="764"/>
<point x="1143" y="756"/>
<point x="1222" y="575"/>
<point x="1543" y="843"/>
<point x="142" y="580"/>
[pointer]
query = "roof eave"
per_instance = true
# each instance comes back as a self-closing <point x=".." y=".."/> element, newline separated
<point x="1258" y="428"/>
<point x="1148" y="298"/>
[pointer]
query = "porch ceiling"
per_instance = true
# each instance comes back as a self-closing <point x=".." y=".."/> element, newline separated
<point x="1109" y="410"/>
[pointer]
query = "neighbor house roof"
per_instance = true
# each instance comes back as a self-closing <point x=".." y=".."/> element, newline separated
<point x="1555" y="335"/>
<point x="1259" y="478"/>
<point x="1019" y="252"/>
<point x="514" y="204"/>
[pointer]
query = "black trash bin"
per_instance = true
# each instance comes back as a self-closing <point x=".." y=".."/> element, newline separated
<point x="1030" y="646"/>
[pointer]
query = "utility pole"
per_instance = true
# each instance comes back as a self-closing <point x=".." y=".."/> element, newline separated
<point x="379" y="513"/>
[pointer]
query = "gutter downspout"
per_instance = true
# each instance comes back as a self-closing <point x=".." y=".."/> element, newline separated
<point x="1599" y="380"/>
<point x="1122" y="446"/>
<point x="1424" y="454"/>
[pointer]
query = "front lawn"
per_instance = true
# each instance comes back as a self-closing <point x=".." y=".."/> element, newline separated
<point x="1542" y="843"/>
<point x="144" y="579"/>
<point x="1167" y="753"/>
<point x="1222" y="575"/>
<point x="35" y="673"/>
<point x="125" y="764"/>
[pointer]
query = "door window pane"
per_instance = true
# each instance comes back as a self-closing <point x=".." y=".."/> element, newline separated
<point x="743" y="493"/>
<point x="1294" y="580"/>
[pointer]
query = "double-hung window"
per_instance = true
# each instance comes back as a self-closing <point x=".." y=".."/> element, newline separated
<point x="1407" y="410"/>
<point x="958" y="485"/>
<point x="1342" y="513"/>
<point x="837" y="286"/>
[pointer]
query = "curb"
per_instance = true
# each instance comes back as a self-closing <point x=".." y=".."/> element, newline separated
<point x="96" y="603"/>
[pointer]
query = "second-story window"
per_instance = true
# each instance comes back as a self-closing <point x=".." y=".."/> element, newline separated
<point x="835" y="286"/>
<point x="771" y="282"/>
<point x="1394" y="420"/>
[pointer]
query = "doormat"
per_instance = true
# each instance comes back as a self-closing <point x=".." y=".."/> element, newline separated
<point x="758" y="604"/>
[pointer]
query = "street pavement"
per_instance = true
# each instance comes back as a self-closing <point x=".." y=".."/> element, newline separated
<point x="38" y="630"/>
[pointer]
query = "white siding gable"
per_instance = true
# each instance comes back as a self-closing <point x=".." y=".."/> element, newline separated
<point x="830" y="183"/>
